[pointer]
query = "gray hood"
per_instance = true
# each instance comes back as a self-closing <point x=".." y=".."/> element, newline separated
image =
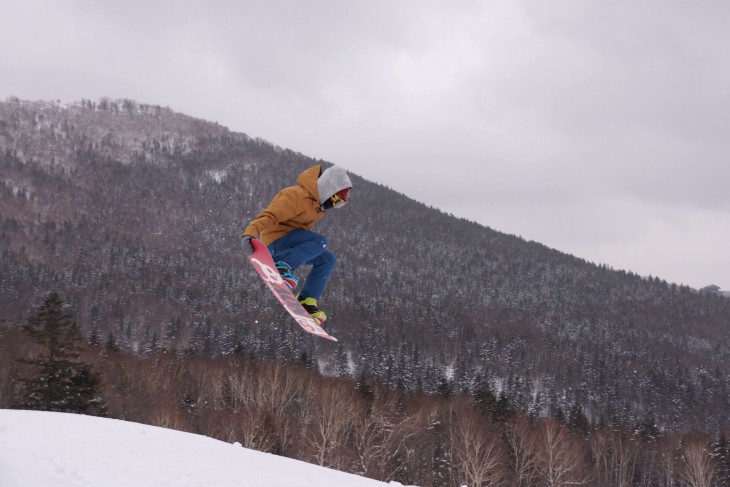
<point x="332" y="180"/>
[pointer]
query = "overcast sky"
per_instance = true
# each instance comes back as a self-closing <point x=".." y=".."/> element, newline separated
<point x="599" y="128"/>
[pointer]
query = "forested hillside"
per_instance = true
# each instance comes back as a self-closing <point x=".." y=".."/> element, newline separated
<point x="133" y="214"/>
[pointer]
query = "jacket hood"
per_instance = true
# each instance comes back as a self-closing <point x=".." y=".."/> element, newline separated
<point x="332" y="180"/>
<point x="308" y="180"/>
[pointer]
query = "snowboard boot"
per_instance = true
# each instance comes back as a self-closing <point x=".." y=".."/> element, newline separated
<point x="310" y="306"/>
<point x="287" y="274"/>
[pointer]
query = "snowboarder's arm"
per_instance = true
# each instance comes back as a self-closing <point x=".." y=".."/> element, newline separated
<point x="282" y="208"/>
<point x="246" y="245"/>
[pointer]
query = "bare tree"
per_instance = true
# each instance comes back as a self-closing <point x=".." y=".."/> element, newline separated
<point x="254" y="429"/>
<point x="666" y="464"/>
<point x="380" y="438"/>
<point x="12" y="346"/>
<point x="696" y="466"/>
<point x="241" y="389"/>
<point x="615" y="455"/>
<point x="169" y="417"/>
<point x="332" y="416"/>
<point x="278" y="391"/>
<point x="561" y="461"/>
<point x="477" y="452"/>
<point x="372" y="435"/>
<point x="523" y="451"/>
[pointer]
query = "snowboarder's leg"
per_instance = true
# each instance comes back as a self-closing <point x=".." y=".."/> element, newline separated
<point x="297" y="247"/>
<point x="322" y="267"/>
<point x="300" y="247"/>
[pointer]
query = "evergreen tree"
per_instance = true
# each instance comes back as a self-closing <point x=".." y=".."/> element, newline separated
<point x="577" y="419"/>
<point x="94" y="338"/>
<point x="721" y="454"/>
<point x="444" y="388"/>
<point x="489" y="405"/>
<point x="340" y="362"/>
<point x="62" y="381"/>
<point x="111" y="343"/>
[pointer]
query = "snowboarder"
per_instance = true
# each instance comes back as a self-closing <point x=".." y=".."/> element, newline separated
<point x="285" y="228"/>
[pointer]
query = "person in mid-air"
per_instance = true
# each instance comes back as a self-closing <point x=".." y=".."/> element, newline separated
<point x="285" y="228"/>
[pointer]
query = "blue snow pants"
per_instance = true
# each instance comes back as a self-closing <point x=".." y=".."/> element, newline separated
<point x="302" y="247"/>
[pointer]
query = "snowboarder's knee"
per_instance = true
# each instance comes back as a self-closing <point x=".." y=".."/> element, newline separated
<point x="321" y="239"/>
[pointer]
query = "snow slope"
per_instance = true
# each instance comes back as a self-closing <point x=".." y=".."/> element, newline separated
<point x="40" y="449"/>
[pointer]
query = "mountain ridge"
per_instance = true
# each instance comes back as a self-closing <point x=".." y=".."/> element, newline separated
<point x="133" y="212"/>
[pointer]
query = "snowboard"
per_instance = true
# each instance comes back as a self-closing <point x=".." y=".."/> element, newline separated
<point x="264" y="265"/>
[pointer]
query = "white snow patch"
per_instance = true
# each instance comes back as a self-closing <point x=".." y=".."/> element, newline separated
<point x="217" y="175"/>
<point x="67" y="450"/>
<point x="17" y="188"/>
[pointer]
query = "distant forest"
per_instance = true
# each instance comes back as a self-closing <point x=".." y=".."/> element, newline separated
<point x="287" y="407"/>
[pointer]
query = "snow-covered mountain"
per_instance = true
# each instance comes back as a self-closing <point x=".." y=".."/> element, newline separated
<point x="40" y="449"/>
<point x="132" y="214"/>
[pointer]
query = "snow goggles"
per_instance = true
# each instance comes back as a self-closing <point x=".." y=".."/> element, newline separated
<point x="340" y="198"/>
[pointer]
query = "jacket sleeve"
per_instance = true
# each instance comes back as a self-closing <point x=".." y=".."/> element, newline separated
<point x="282" y="208"/>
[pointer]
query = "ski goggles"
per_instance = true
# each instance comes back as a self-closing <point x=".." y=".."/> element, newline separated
<point x="340" y="198"/>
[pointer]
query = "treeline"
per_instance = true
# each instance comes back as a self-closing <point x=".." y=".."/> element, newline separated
<point x="286" y="407"/>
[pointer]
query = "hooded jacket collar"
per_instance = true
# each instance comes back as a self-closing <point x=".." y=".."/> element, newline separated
<point x="308" y="180"/>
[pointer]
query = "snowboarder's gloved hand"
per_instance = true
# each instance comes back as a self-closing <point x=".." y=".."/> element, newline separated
<point x="246" y="245"/>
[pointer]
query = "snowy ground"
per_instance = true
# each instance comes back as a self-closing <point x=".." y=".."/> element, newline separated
<point x="40" y="449"/>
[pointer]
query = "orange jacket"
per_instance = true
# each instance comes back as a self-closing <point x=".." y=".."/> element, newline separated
<point x="293" y="207"/>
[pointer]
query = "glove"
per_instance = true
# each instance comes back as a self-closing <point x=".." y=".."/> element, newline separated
<point x="246" y="245"/>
